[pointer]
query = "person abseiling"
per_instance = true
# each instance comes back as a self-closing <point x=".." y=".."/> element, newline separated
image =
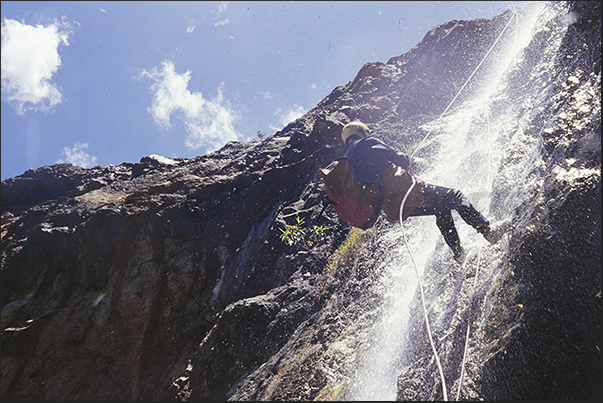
<point x="374" y="162"/>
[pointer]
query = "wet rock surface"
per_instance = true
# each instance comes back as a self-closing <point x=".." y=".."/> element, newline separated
<point x="167" y="279"/>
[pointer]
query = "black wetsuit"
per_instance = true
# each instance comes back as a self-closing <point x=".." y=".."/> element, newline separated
<point x="370" y="156"/>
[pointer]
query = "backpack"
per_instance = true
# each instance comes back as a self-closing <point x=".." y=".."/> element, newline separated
<point x="359" y="205"/>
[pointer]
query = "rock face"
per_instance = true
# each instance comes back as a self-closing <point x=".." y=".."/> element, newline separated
<point x="168" y="279"/>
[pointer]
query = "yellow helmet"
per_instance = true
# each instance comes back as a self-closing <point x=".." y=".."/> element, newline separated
<point x="354" y="128"/>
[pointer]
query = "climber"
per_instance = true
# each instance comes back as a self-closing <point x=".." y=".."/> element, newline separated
<point x="372" y="161"/>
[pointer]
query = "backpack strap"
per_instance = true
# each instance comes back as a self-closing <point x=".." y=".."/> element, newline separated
<point x="371" y="221"/>
<point x="350" y="148"/>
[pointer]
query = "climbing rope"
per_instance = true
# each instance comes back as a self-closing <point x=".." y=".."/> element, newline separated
<point x="479" y="254"/>
<point x="462" y="377"/>
<point x="435" y="353"/>
<point x="466" y="82"/>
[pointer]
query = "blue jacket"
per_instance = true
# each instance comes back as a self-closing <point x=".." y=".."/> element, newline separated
<point x="370" y="156"/>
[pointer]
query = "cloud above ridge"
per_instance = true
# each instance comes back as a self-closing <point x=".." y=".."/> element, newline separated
<point x="294" y="112"/>
<point x="208" y="122"/>
<point x="30" y="58"/>
<point x="78" y="156"/>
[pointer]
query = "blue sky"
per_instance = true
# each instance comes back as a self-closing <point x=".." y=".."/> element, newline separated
<point x="100" y="83"/>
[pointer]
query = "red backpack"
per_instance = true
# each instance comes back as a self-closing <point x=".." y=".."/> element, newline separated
<point x="359" y="205"/>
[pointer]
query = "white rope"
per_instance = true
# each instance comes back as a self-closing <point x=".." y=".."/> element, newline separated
<point x="435" y="352"/>
<point x="462" y="377"/>
<point x="466" y="82"/>
<point x="479" y="254"/>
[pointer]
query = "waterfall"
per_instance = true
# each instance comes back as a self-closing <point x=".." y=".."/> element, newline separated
<point x="483" y="149"/>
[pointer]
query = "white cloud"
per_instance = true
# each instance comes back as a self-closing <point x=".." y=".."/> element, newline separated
<point x="221" y="8"/>
<point x="29" y="59"/>
<point x="223" y="22"/>
<point x="77" y="156"/>
<point x="293" y="113"/>
<point x="209" y="123"/>
<point x="191" y="26"/>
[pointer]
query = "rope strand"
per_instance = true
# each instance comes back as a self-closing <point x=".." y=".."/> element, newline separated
<point x="435" y="352"/>
<point x="466" y="82"/>
<point x="462" y="377"/>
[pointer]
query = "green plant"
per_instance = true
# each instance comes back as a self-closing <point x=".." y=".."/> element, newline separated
<point x="317" y="234"/>
<point x="345" y="248"/>
<point x="299" y="236"/>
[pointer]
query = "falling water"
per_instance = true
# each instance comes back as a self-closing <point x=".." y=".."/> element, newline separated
<point x="472" y="140"/>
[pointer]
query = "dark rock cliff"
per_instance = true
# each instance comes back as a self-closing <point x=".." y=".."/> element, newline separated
<point x="168" y="279"/>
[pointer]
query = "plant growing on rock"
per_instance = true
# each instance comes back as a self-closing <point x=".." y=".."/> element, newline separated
<point x="299" y="236"/>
